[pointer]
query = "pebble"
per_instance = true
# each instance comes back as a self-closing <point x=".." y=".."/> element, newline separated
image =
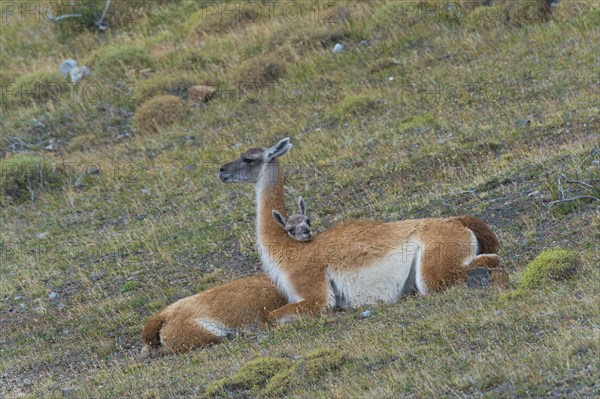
<point x="338" y="48"/>
<point x="189" y="167"/>
<point x="366" y="313"/>
<point x="497" y="312"/>
<point x="145" y="191"/>
<point x="141" y="217"/>
<point x="41" y="235"/>
<point x="96" y="276"/>
<point x="66" y="66"/>
<point x="53" y="295"/>
<point x="523" y="122"/>
<point x="94" y="171"/>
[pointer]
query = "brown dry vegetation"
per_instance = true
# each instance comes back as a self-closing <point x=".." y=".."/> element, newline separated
<point x="433" y="110"/>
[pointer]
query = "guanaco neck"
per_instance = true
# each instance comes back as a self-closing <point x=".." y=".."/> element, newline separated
<point x="269" y="197"/>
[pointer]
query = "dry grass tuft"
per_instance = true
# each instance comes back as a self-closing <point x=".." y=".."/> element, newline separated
<point x="83" y="143"/>
<point x="159" y="111"/>
<point x="260" y="71"/>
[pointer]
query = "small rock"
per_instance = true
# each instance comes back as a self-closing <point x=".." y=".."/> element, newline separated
<point x="53" y="296"/>
<point x="201" y="93"/>
<point x="96" y="276"/>
<point x="370" y="141"/>
<point x="94" y="170"/>
<point x="366" y="313"/>
<point x="41" y="235"/>
<point x="66" y="66"/>
<point x="141" y="217"/>
<point x="190" y="139"/>
<point x="497" y="312"/>
<point x="145" y="191"/>
<point x="68" y="392"/>
<point x="338" y="48"/>
<point x="51" y="145"/>
<point x="365" y="43"/>
<point x="79" y="73"/>
<point x="61" y="305"/>
<point x="17" y="297"/>
<point x="189" y="167"/>
<point x="27" y="382"/>
<point x="391" y="78"/>
<point x="533" y="193"/>
<point x="523" y="123"/>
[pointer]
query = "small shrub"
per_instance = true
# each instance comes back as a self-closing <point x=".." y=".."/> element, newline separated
<point x="159" y="112"/>
<point x="37" y="87"/>
<point x="252" y="376"/>
<point x="22" y="176"/>
<point x="113" y="62"/>
<point x="551" y="265"/>
<point x="83" y="143"/>
<point x="260" y="71"/>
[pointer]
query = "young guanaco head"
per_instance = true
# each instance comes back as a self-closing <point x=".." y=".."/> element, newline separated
<point x="298" y="225"/>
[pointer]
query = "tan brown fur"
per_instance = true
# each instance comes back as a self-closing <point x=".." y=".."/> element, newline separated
<point x="233" y="306"/>
<point x="302" y="270"/>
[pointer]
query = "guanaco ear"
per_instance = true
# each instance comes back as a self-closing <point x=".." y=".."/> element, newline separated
<point x="301" y="206"/>
<point x="278" y="218"/>
<point x="278" y="150"/>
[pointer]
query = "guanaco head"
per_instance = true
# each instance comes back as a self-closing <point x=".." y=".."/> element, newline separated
<point x="248" y="166"/>
<point x="297" y="226"/>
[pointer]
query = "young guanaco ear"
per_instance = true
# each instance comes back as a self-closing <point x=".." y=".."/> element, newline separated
<point x="279" y="218"/>
<point x="277" y="150"/>
<point x="301" y="206"/>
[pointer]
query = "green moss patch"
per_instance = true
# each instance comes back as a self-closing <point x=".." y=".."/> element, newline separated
<point x="251" y="377"/>
<point x="309" y="369"/>
<point x="549" y="266"/>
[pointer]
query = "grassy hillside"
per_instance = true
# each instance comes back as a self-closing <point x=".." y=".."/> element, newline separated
<point x="111" y="210"/>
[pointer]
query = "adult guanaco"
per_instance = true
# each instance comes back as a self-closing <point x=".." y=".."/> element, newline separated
<point x="359" y="262"/>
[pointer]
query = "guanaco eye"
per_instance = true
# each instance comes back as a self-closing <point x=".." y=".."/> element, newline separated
<point x="247" y="160"/>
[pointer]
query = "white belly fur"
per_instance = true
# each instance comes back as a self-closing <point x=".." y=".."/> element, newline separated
<point x="383" y="281"/>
